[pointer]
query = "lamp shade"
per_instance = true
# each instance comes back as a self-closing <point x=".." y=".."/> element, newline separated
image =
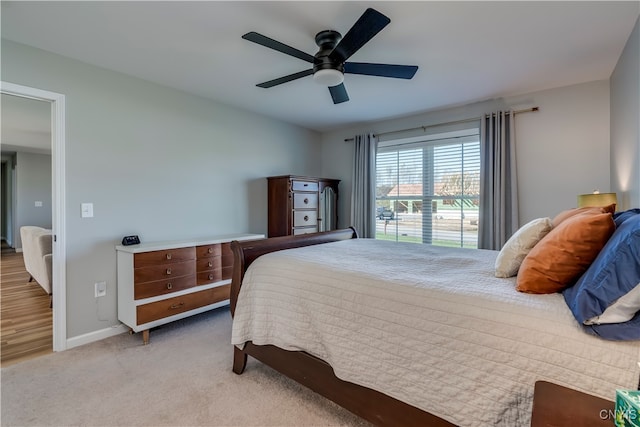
<point x="597" y="199"/>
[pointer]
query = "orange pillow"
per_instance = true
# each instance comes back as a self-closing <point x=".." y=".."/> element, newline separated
<point x="571" y="212"/>
<point x="560" y="258"/>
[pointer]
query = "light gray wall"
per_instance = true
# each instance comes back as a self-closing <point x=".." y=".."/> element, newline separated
<point x="33" y="183"/>
<point x="562" y="150"/>
<point x="155" y="162"/>
<point x="625" y="124"/>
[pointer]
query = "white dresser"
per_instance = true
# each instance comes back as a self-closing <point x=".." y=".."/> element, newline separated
<point x="160" y="282"/>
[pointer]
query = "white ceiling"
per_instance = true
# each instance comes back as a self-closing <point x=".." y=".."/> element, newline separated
<point x="466" y="51"/>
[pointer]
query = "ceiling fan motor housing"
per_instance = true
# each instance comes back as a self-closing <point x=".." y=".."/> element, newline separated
<point x="327" y="41"/>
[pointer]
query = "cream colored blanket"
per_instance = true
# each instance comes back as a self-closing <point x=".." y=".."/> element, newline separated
<point x="430" y="326"/>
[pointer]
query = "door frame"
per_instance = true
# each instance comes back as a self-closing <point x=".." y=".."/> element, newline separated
<point x="58" y="142"/>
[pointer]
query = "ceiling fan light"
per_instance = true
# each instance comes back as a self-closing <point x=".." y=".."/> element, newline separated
<point x="328" y="77"/>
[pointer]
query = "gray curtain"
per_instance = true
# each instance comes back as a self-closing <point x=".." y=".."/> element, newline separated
<point x="498" y="181"/>
<point x="363" y="191"/>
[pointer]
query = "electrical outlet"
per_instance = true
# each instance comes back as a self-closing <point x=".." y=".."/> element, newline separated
<point x="101" y="289"/>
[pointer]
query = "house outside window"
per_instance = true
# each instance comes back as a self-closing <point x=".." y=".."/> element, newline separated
<point x="428" y="189"/>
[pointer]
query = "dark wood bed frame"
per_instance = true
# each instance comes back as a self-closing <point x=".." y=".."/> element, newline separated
<point x="306" y="369"/>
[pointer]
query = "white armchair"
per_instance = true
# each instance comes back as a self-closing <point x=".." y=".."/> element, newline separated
<point x="37" y="252"/>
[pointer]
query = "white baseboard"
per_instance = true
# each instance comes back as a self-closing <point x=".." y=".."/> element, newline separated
<point x="18" y="250"/>
<point x="96" y="336"/>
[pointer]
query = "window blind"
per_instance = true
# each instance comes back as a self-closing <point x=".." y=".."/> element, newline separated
<point x="427" y="191"/>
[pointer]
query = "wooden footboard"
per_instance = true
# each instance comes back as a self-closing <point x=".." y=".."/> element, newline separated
<point x="308" y="370"/>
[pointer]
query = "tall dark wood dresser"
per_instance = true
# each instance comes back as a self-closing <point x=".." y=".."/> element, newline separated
<point x="301" y="204"/>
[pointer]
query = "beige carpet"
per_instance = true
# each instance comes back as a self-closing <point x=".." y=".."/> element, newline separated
<point x="182" y="378"/>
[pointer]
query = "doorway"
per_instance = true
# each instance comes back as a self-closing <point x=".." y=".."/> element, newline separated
<point x="6" y="204"/>
<point x="57" y="103"/>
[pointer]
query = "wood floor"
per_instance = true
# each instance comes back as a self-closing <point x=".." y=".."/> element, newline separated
<point x="26" y="322"/>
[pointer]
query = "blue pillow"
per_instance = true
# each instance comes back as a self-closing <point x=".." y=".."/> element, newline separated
<point x="620" y="217"/>
<point x="614" y="273"/>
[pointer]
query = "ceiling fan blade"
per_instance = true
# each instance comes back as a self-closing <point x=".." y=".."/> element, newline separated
<point x="368" y="25"/>
<point x="339" y="93"/>
<point x="276" y="45"/>
<point x="381" y="70"/>
<point x="286" y="79"/>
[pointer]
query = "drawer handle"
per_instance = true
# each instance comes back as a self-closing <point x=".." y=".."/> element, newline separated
<point x="306" y="218"/>
<point x="174" y="306"/>
<point x="210" y="250"/>
<point x="168" y="256"/>
<point x="210" y="276"/>
<point x="168" y="271"/>
<point x="169" y="285"/>
<point x="210" y="264"/>
<point x="306" y="201"/>
<point x="305" y="185"/>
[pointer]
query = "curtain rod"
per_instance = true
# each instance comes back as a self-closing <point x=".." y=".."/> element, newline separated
<point x="424" y="128"/>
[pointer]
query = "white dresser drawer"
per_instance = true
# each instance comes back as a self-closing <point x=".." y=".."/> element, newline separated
<point x="305" y="201"/>
<point x="304" y="186"/>
<point x="305" y="218"/>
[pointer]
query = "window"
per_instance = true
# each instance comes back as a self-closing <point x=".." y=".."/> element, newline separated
<point x="428" y="189"/>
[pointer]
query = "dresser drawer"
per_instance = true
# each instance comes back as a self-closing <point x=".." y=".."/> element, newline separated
<point x="157" y="310"/>
<point x="305" y="218"/>
<point x="145" y="259"/>
<point x="165" y="271"/>
<point x="161" y="287"/>
<point x="207" y="264"/>
<point x="305" y="200"/>
<point x="206" y="251"/>
<point x="304" y="186"/>
<point x="205" y="277"/>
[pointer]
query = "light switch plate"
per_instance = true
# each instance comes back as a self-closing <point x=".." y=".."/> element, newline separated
<point x="38" y="204"/>
<point x="87" y="210"/>
<point x="101" y="289"/>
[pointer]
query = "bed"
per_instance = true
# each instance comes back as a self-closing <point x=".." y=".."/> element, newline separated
<point x="442" y="343"/>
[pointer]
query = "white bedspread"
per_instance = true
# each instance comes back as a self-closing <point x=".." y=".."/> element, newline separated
<point x="430" y="326"/>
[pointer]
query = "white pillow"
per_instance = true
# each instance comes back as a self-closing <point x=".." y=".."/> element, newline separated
<point x="623" y="310"/>
<point x="519" y="245"/>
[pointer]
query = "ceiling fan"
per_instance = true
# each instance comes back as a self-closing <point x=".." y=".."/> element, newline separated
<point x="329" y="63"/>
